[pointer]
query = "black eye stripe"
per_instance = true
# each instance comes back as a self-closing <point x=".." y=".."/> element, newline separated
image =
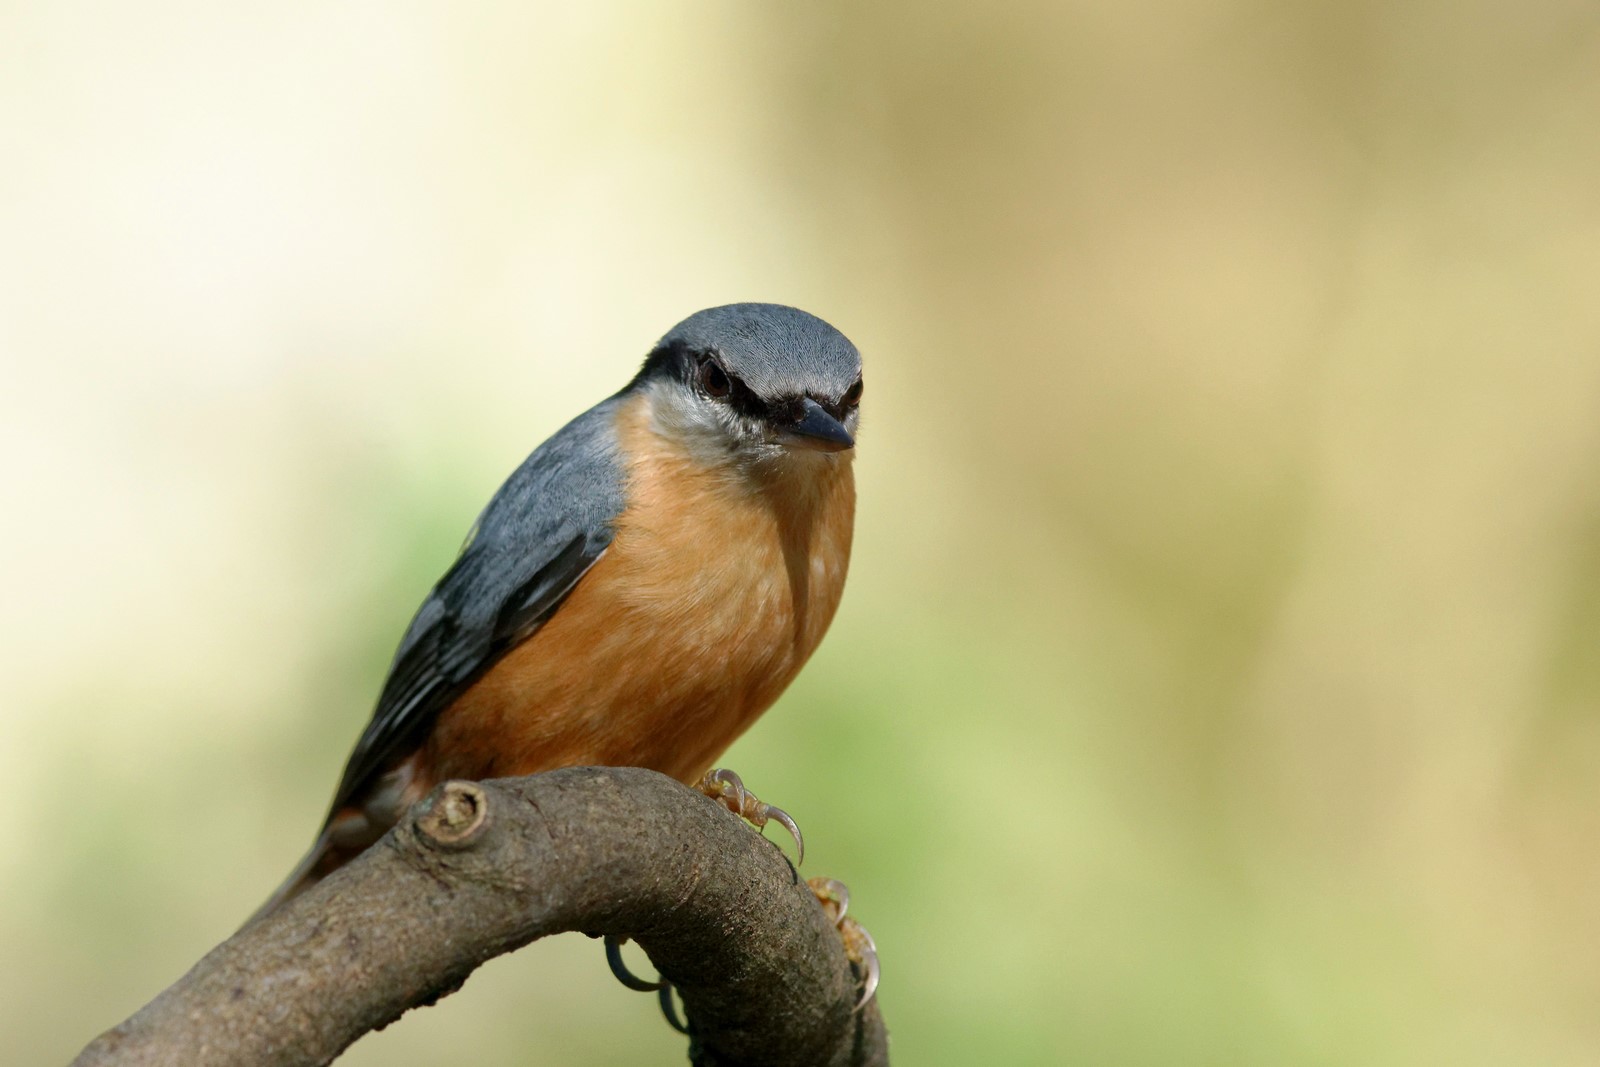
<point x="746" y="402"/>
<point x="710" y="376"/>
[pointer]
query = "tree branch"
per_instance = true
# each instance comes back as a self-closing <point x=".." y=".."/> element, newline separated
<point x="478" y="869"/>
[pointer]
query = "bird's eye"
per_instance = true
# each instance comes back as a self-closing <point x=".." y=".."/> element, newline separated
<point x="714" y="380"/>
<point x="852" y="396"/>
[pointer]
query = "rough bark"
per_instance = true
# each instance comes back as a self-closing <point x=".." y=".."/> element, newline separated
<point x="478" y="869"/>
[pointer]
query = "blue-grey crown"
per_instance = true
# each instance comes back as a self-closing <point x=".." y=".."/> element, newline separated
<point x="777" y="351"/>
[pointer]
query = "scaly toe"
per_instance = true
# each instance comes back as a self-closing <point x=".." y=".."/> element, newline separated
<point x="859" y="947"/>
<point x="727" y="789"/>
<point x="760" y="814"/>
<point x="834" y="896"/>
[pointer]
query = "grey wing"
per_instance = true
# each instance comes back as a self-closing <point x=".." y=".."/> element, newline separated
<point x="543" y="530"/>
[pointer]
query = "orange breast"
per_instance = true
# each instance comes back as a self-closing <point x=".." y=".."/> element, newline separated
<point x="716" y="589"/>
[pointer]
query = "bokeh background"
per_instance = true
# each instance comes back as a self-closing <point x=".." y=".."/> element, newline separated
<point x="1217" y="680"/>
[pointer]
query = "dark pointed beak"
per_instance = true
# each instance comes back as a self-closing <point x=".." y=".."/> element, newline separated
<point x="817" y="429"/>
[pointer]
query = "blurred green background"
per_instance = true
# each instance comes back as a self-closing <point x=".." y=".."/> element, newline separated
<point x="1217" y="680"/>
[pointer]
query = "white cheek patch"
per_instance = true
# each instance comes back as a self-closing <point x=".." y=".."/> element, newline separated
<point x="710" y="433"/>
<point x="679" y="415"/>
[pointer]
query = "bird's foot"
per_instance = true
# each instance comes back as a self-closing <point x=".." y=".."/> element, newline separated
<point x="728" y="789"/>
<point x="661" y="987"/>
<point x="834" y="896"/>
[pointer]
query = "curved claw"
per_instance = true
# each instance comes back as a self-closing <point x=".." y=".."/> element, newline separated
<point x="728" y="789"/>
<point x="859" y="948"/>
<point x="725" y="785"/>
<point x="625" y="976"/>
<point x="782" y="817"/>
<point x="869" y="955"/>
<point x="831" y="891"/>
<point x="661" y="987"/>
<point x="670" y="1009"/>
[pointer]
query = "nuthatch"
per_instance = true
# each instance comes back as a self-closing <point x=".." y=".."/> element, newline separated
<point x="639" y="590"/>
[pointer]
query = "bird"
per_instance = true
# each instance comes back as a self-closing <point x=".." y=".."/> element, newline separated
<point x="639" y="590"/>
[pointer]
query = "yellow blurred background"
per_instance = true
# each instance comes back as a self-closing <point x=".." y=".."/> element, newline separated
<point x="1217" y="680"/>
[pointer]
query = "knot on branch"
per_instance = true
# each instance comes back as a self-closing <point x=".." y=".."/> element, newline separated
<point x="759" y="965"/>
<point x="453" y="816"/>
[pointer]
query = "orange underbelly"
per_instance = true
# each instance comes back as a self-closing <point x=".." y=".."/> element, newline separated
<point x="613" y="687"/>
<point x="709" y="600"/>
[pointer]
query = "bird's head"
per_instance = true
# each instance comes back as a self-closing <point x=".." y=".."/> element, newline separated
<point x="757" y="383"/>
